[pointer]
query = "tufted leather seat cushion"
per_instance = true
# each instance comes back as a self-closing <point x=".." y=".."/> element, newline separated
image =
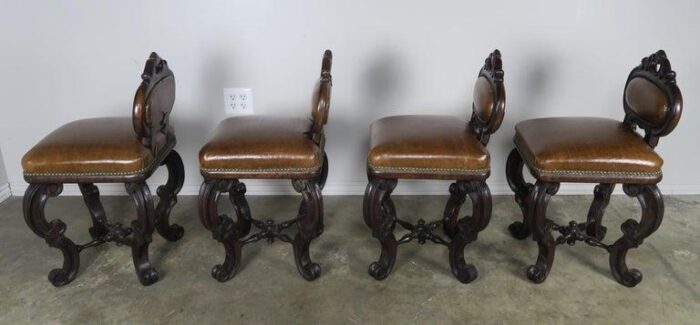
<point x="261" y="147"/>
<point x="426" y="147"/>
<point x="89" y="147"/>
<point x="582" y="149"/>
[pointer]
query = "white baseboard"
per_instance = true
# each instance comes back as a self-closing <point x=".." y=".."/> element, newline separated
<point x="5" y="192"/>
<point x="257" y="187"/>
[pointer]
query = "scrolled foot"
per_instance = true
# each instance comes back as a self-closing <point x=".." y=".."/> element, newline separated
<point x="630" y="278"/>
<point x="519" y="230"/>
<point x="148" y="276"/>
<point x="310" y="271"/>
<point x="171" y="233"/>
<point x="537" y="273"/>
<point x="59" y="277"/>
<point x="378" y="271"/>
<point x="465" y="273"/>
<point x="220" y="273"/>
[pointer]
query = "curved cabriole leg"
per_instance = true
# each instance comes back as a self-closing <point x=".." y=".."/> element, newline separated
<point x="522" y="190"/>
<point x="601" y="198"/>
<point x="450" y="217"/>
<point x="91" y="196"/>
<point x="537" y="210"/>
<point x="468" y="228"/>
<point x="380" y="215"/>
<point x="168" y="197"/>
<point x="236" y="195"/>
<point x="222" y="227"/>
<point x="321" y="180"/>
<point x="635" y="232"/>
<point x="52" y="231"/>
<point x="143" y="229"/>
<point x="309" y="222"/>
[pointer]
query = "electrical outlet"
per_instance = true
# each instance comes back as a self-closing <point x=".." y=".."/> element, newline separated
<point x="238" y="101"/>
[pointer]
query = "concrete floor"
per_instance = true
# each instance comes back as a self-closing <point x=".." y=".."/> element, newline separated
<point x="421" y="289"/>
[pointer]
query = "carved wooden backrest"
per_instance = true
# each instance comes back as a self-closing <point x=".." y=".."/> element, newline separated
<point x="652" y="99"/>
<point x="321" y="98"/>
<point x="489" y="103"/>
<point x="153" y="102"/>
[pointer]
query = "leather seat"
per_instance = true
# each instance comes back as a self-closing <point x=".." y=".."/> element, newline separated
<point x="582" y="149"/>
<point x="426" y="147"/>
<point x="261" y="147"/>
<point x="89" y="147"/>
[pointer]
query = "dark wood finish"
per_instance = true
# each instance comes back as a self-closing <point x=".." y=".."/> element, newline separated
<point x="655" y="105"/>
<point x="656" y="68"/>
<point x="52" y="231"/>
<point x="533" y="200"/>
<point x="537" y="208"/>
<point x="321" y="99"/>
<point x="447" y="149"/>
<point x="380" y="216"/>
<point x="152" y="105"/>
<point x="168" y="197"/>
<point x="493" y="72"/>
<point x="633" y="232"/>
<point x="522" y="190"/>
<point x="235" y="234"/>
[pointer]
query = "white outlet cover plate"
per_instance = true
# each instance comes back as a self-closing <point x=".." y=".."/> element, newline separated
<point x="238" y="101"/>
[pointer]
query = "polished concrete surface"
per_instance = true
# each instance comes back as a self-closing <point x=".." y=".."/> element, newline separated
<point x="421" y="289"/>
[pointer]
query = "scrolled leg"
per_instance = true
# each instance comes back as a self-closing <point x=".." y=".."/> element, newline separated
<point x="458" y="194"/>
<point x="52" y="231"/>
<point x="321" y="180"/>
<point x="468" y="229"/>
<point x="309" y="221"/>
<point x="236" y="195"/>
<point x="522" y="190"/>
<point x="634" y="232"/>
<point x="223" y="229"/>
<point x="143" y="229"/>
<point x="601" y="198"/>
<point x="91" y="196"/>
<point x="537" y="208"/>
<point x="168" y="197"/>
<point x="380" y="216"/>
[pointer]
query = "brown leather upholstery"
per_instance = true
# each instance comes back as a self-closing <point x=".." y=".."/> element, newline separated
<point x="426" y="147"/>
<point x="261" y="147"/>
<point x="582" y="149"/>
<point x="647" y="100"/>
<point x="321" y="96"/>
<point x="483" y="98"/>
<point x="90" y="147"/>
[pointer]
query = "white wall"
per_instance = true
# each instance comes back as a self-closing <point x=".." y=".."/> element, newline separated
<point x="4" y="185"/>
<point x="66" y="60"/>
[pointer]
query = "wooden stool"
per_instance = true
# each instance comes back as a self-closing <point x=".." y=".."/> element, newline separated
<point x="435" y="147"/>
<point x="267" y="147"/>
<point x="110" y="150"/>
<point x="597" y="150"/>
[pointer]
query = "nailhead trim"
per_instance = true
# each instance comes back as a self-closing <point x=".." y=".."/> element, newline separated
<point x="428" y="170"/>
<point x="593" y="173"/>
<point x="264" y="170"/>
<point x="136" y="172"/>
